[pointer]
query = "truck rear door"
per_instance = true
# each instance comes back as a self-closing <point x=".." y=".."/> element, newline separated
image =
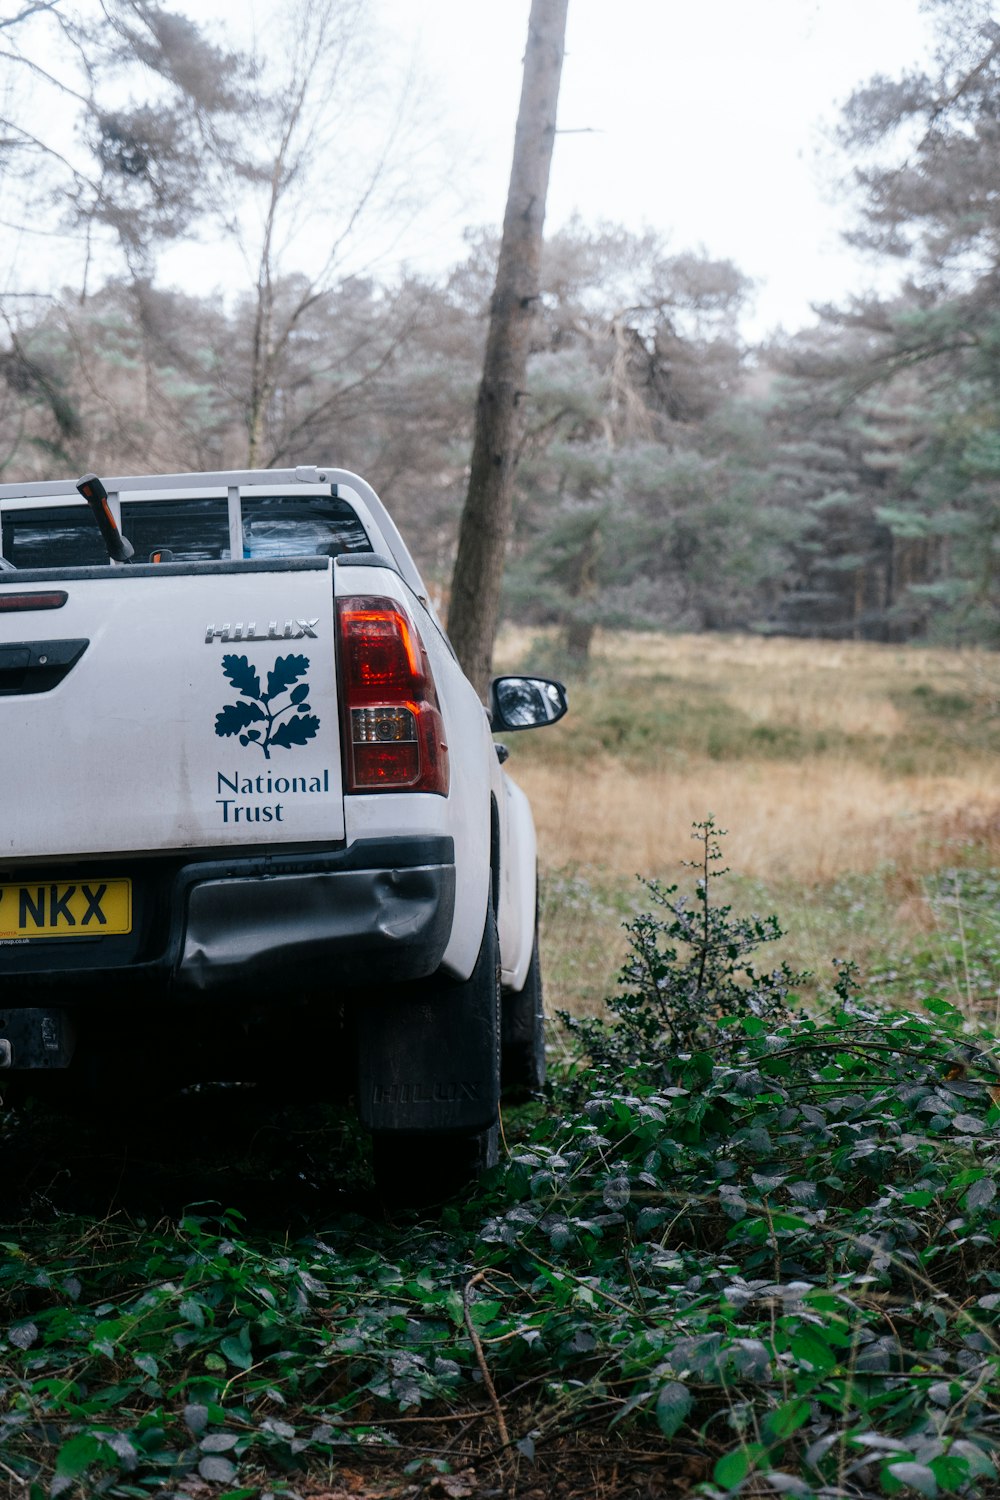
<point x="168" y="707"/>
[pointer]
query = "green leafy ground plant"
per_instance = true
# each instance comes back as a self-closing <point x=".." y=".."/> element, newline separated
<point x="760" y="1244"/>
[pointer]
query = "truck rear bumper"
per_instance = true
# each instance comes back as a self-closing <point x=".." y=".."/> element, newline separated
<point x="255" y="927"/>
<point x="389" y="920"/>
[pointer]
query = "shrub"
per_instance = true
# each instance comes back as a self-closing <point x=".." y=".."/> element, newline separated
<point x="689" y="981"/>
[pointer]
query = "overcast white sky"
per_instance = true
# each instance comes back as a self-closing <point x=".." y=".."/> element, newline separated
<point x="702" y="119"/>
<point x="707" y="120"/>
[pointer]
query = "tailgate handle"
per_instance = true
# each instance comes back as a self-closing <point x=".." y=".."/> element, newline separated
<point x="37" y="666"/>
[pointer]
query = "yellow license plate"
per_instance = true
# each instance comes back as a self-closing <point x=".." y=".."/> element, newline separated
<point x="48" y="908"/>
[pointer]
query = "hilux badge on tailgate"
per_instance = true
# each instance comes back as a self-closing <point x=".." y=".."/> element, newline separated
<point x="289" y="630"/>
<point x="255" y="717"/>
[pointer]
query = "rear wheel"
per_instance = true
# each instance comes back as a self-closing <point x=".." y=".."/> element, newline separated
<point x="421" y="1170"/>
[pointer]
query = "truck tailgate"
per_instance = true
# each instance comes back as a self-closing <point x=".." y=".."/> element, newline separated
<point x="169" y="707"/>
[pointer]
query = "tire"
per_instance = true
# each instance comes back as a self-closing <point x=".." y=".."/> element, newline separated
<point x="522" y="1066"/>
<point x="423" y="1168"/>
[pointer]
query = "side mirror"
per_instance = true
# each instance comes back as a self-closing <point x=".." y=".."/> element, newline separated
<point x="525" y="702"/>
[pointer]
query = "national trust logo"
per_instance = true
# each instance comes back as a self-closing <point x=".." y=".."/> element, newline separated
<point x="258" y="718"/>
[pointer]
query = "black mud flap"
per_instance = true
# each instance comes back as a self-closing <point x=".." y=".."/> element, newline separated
<point x="427" y="1064"/>
<point x="429" y="1053"/>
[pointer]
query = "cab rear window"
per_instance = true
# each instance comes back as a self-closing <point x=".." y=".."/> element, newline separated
<point x="178" y="530"/>
<point x="300" y="525"/>
<point x="61" y="536"/>
<point x="66" y="536"/>
<point x="186" y="530"/>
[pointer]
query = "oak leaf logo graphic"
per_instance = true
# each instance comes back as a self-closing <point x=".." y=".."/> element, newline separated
<point x="254" y="717"/>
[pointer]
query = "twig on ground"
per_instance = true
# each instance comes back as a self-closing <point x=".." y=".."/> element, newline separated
<point x="481" y="1361"/>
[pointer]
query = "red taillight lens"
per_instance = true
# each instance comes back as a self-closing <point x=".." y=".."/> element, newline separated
<point x="392" y="727"/>
<point x="11" y="602"/>
<point x="380" y="655"/>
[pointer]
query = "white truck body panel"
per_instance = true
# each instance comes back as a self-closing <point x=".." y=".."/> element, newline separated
<point x="517" y="885"/>
<point x="125" y="754"/>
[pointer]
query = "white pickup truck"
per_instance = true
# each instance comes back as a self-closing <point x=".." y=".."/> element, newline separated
<point x="254" y="824"/>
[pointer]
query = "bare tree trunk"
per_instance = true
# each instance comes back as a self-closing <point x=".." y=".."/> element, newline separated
<point x="488" y="513"/>
<point x="578" y="631"/>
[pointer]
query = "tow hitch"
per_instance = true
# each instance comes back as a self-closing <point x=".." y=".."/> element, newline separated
<point x="34" y="1038"/>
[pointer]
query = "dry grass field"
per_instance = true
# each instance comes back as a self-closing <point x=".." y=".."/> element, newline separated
<point x="850" y="777"/>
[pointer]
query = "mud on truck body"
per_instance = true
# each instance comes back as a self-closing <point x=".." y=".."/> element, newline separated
<point x="254" y="823"/>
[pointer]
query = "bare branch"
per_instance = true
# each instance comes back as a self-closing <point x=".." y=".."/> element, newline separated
<point x="961" y="88"/>
<point x="36" y="68"/>
<point x="31" y="10"/>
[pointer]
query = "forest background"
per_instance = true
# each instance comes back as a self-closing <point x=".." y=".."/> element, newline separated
<point x="840" y="481"/>
<point x="689" y="1274"/>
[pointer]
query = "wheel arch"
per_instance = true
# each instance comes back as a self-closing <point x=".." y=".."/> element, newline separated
<point x="495" y="851"/>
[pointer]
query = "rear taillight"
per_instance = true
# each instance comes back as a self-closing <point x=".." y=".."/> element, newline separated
<point x="392" y="727"/>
